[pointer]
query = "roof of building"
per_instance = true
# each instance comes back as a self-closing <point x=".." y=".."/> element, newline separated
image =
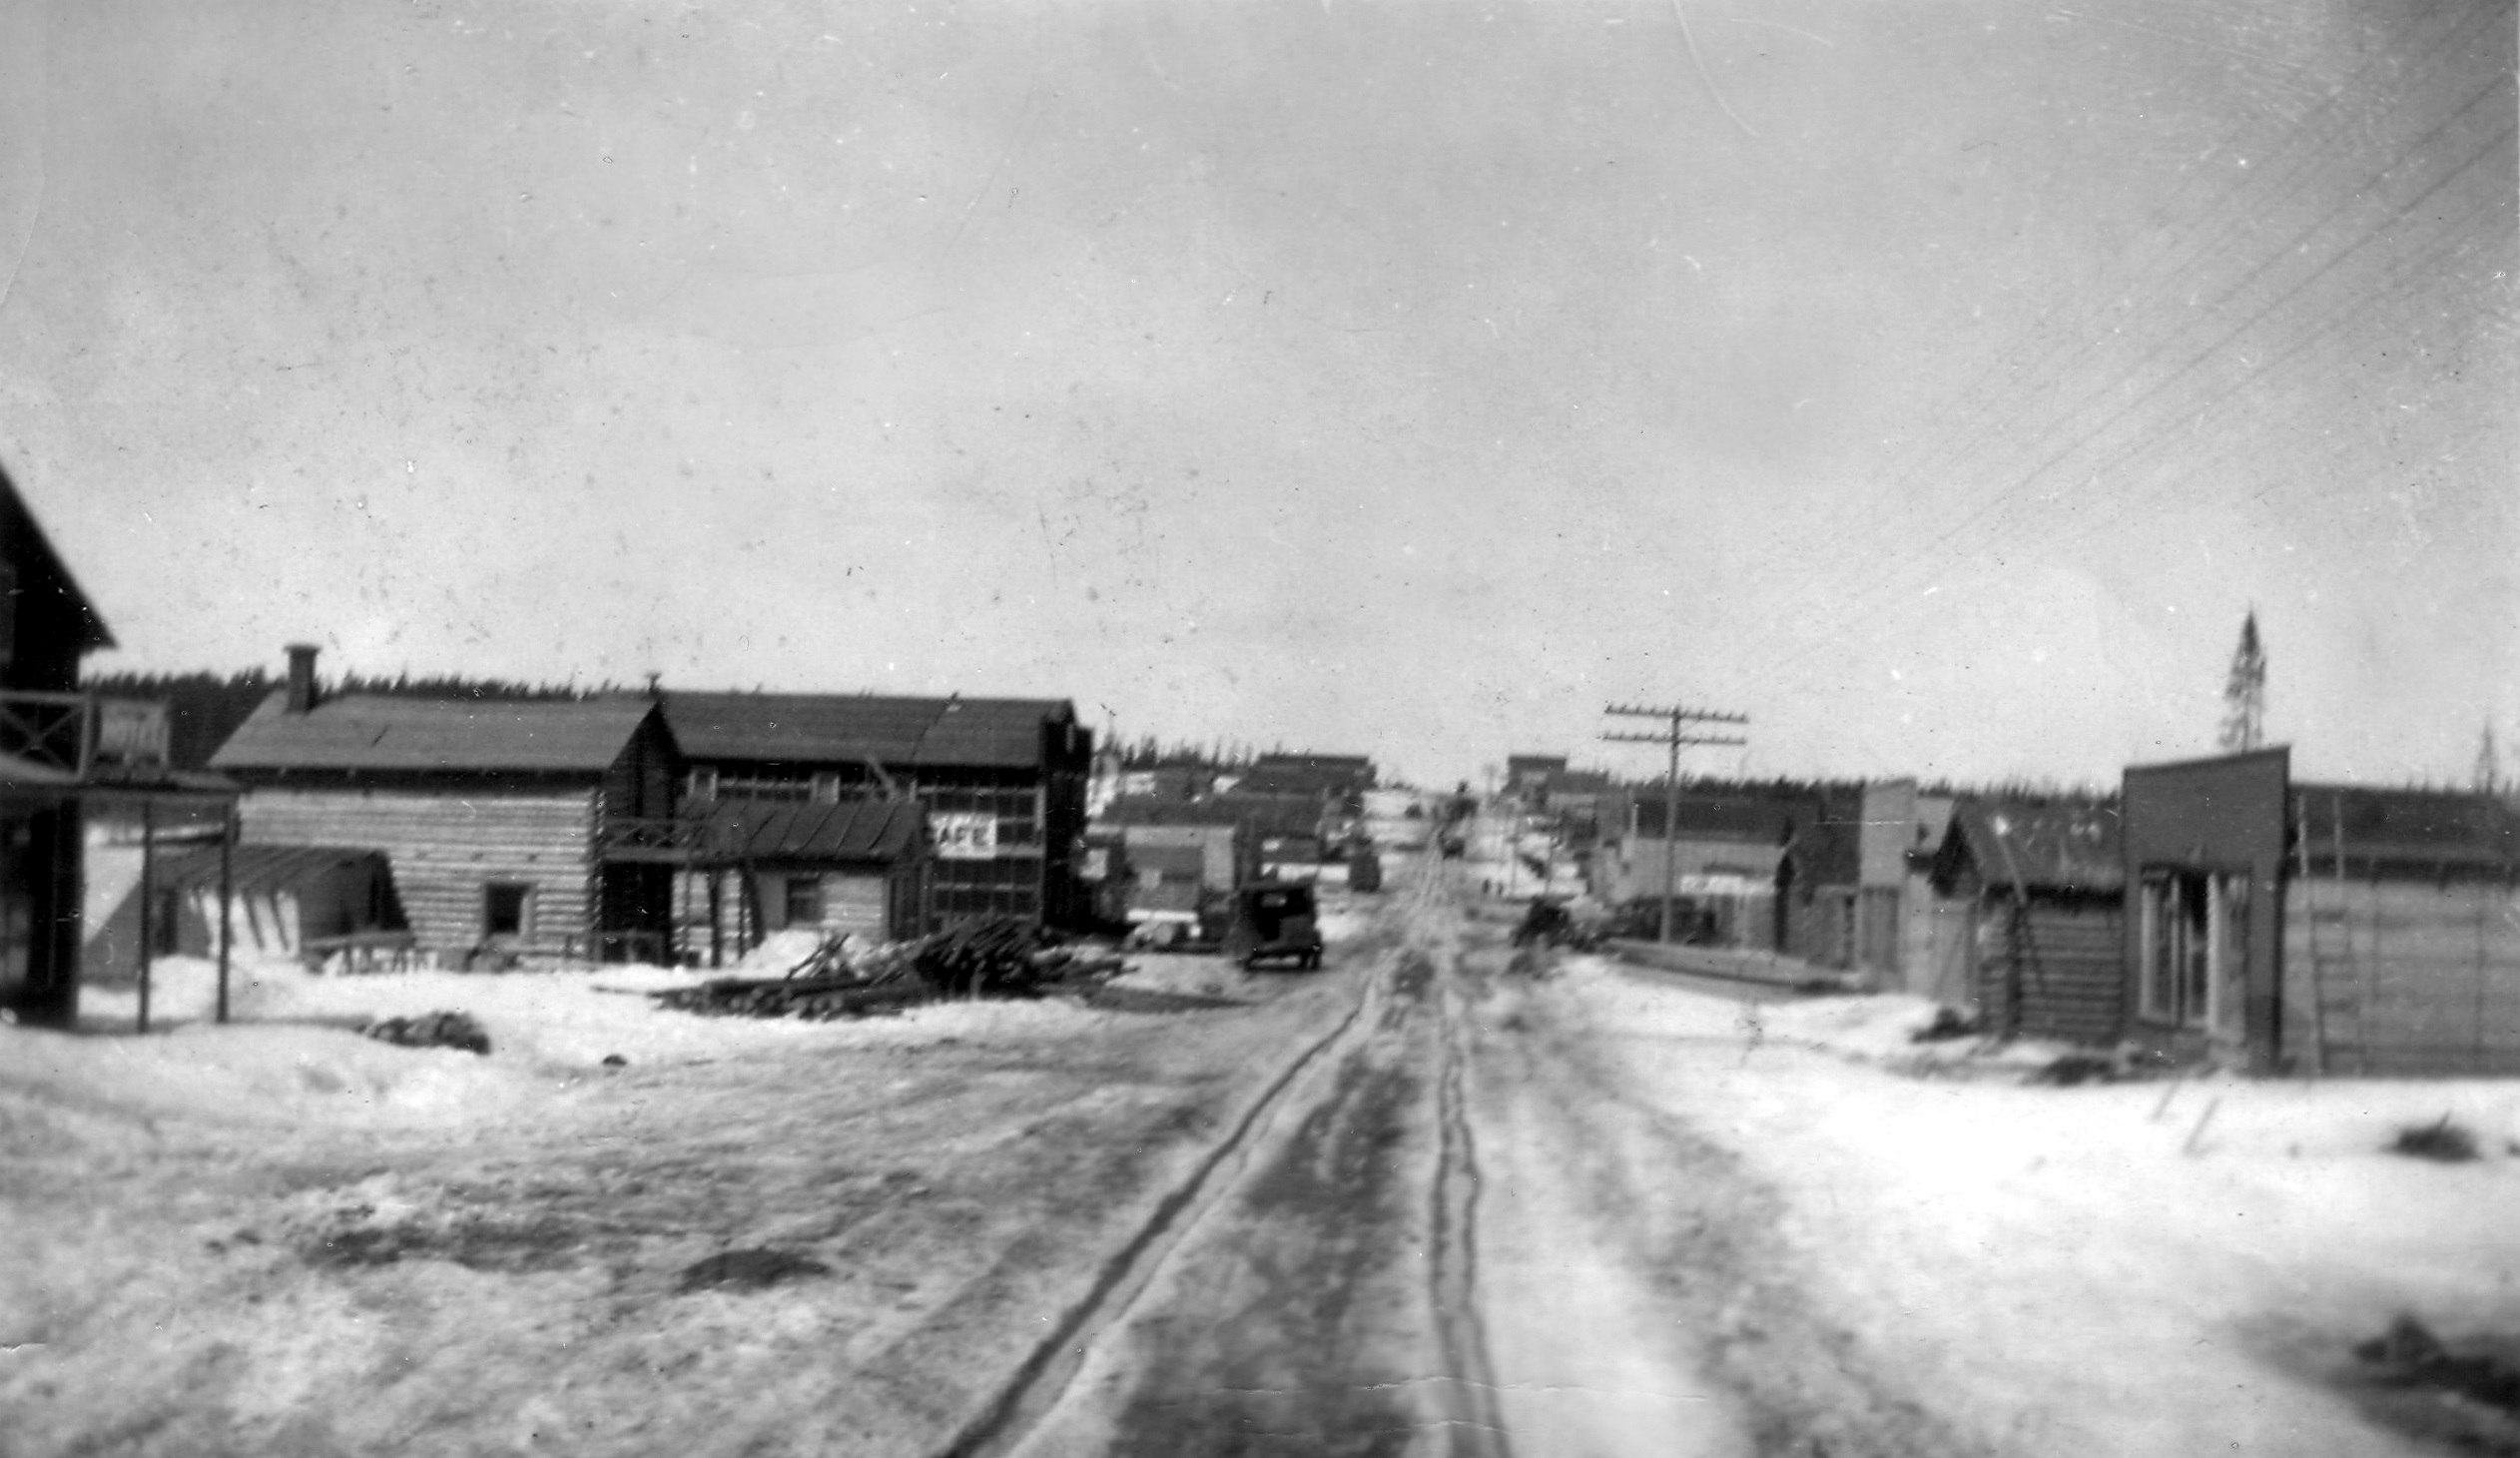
<point x="2415" y="829"/>
<point x="260" y="870"/>
<point x="1265" y="814"/>
<point x="374" y="732"/>
<point x="1752" y="818"/>
<point x="1169" y="862"/>
<point x="26" y="537"/>
<point x="2036" y="846"/>
<point x="850" y="728"/>
<point x="25" y="774"/>
<point x="789" y="830"/>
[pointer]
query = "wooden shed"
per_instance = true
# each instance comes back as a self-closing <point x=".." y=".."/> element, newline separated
<point x="853" y="866"/>
<point x="2401" y="933"/>
<point x="517" y="832"/>
<point x="313" y="903"/>
<point x="2044" y="885"/>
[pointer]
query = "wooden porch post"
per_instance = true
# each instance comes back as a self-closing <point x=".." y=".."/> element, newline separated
<point x="227" y="893"/>
<point x="148" y="900"/>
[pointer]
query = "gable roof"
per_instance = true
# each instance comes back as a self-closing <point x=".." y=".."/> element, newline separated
<point x="2035" y="845"/>
<point x="374" y="732"/>
<point x="850" y="728"/>
<point x="22" y="536"/>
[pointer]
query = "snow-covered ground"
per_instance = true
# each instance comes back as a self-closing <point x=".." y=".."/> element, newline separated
<point x="278" y="1236"/>
<point x="2118" y="1268"/>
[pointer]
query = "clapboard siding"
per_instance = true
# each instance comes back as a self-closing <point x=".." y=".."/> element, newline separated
<point x="445" y="848"/>
<point x="2055" y="969"/>
<point x="2402" y="978"/>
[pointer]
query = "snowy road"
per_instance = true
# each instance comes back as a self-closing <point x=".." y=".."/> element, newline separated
<point x="1461" y="1239"/>
<point x="1431" y="1200"/>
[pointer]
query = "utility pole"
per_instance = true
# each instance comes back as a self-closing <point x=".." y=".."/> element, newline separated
<point x="1674" y="734"/>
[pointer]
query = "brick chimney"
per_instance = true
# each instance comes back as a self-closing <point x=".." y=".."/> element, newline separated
<point x="301" y="680"/>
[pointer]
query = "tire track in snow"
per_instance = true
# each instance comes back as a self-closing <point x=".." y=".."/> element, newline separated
<point x="1476" y="1426"/>
<point x="1044" y="1374"/>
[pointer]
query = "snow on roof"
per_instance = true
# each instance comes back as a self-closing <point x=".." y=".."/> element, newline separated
<point x="828" y="728"/>
<point x="370" y="732"/>
<point x="2061" y="846"/>
<point x="255" y="868"/>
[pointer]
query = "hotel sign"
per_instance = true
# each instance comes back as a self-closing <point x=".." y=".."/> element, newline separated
<point x="131" y="734"/>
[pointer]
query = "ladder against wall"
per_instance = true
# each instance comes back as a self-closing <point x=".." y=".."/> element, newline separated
<point x="2404" y="978"/>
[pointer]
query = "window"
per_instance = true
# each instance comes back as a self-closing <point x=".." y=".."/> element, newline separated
<point x="507" y="910"/>
<point x="805" y="900"/>
<point x="2195" y="947"/>
<point x="826" y="787"/>
<point x="703" y="785"/>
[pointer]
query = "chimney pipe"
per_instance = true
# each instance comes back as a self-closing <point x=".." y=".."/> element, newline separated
<point x="301" y="680"/>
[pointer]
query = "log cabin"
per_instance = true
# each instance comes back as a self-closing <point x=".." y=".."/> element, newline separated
<point x="2042" y="885"/>
<point x="519" y="833"/>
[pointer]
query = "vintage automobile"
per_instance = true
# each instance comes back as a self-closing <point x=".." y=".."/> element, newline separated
<point x="1275" y="920"/>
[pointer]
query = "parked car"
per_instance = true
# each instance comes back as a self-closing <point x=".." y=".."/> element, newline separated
<point x="1275" y="920"/>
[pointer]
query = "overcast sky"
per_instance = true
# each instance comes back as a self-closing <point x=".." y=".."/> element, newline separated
<point x="1936" y="381"/>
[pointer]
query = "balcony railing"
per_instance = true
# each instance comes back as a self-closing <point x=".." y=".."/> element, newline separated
<point x="84" y="736"/>
<point x="635" y="838"/>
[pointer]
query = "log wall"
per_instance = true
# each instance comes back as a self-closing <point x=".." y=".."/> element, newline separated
<point x="2055" y="969"/>
<point x="447" y="847"/>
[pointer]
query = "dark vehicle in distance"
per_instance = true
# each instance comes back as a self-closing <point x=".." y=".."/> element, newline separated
<point x="1275" y="920"/>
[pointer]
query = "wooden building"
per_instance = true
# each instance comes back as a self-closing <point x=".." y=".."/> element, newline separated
<point x="47" y="624"/>
<point x="1003" y="783"/>
<point x="1896" y="943"/>
<point x="2042" y="887"/>
<point x="2401" y="935"/>
<point x="517" y="833"/>
<point x="2202" y="972"/>
<point x="317" y="903"/>
<point x="1826" y="870"/>
<point x="852" y="866"/>
<point x="2323" y="929"/>
<point x="1727" y="867"/>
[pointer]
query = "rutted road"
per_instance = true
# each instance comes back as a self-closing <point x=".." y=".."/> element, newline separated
<point x="1452" y="1233"/>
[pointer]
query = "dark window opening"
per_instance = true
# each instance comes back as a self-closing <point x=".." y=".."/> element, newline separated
<point x="506" y="909"/>
<point x="805" y="900"/>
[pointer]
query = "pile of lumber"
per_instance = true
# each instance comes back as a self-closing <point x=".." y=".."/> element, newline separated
<point x="989" y="956"/>
<point x="1002" y="956"/>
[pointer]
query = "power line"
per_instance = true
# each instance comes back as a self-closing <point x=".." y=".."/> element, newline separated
<point x="1678" y="719"/>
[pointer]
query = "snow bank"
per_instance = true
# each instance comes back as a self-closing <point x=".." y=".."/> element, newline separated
<point x="2117" y="1268"/>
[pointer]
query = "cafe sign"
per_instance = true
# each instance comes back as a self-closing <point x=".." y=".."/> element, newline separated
<point x="960" y="836"/>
